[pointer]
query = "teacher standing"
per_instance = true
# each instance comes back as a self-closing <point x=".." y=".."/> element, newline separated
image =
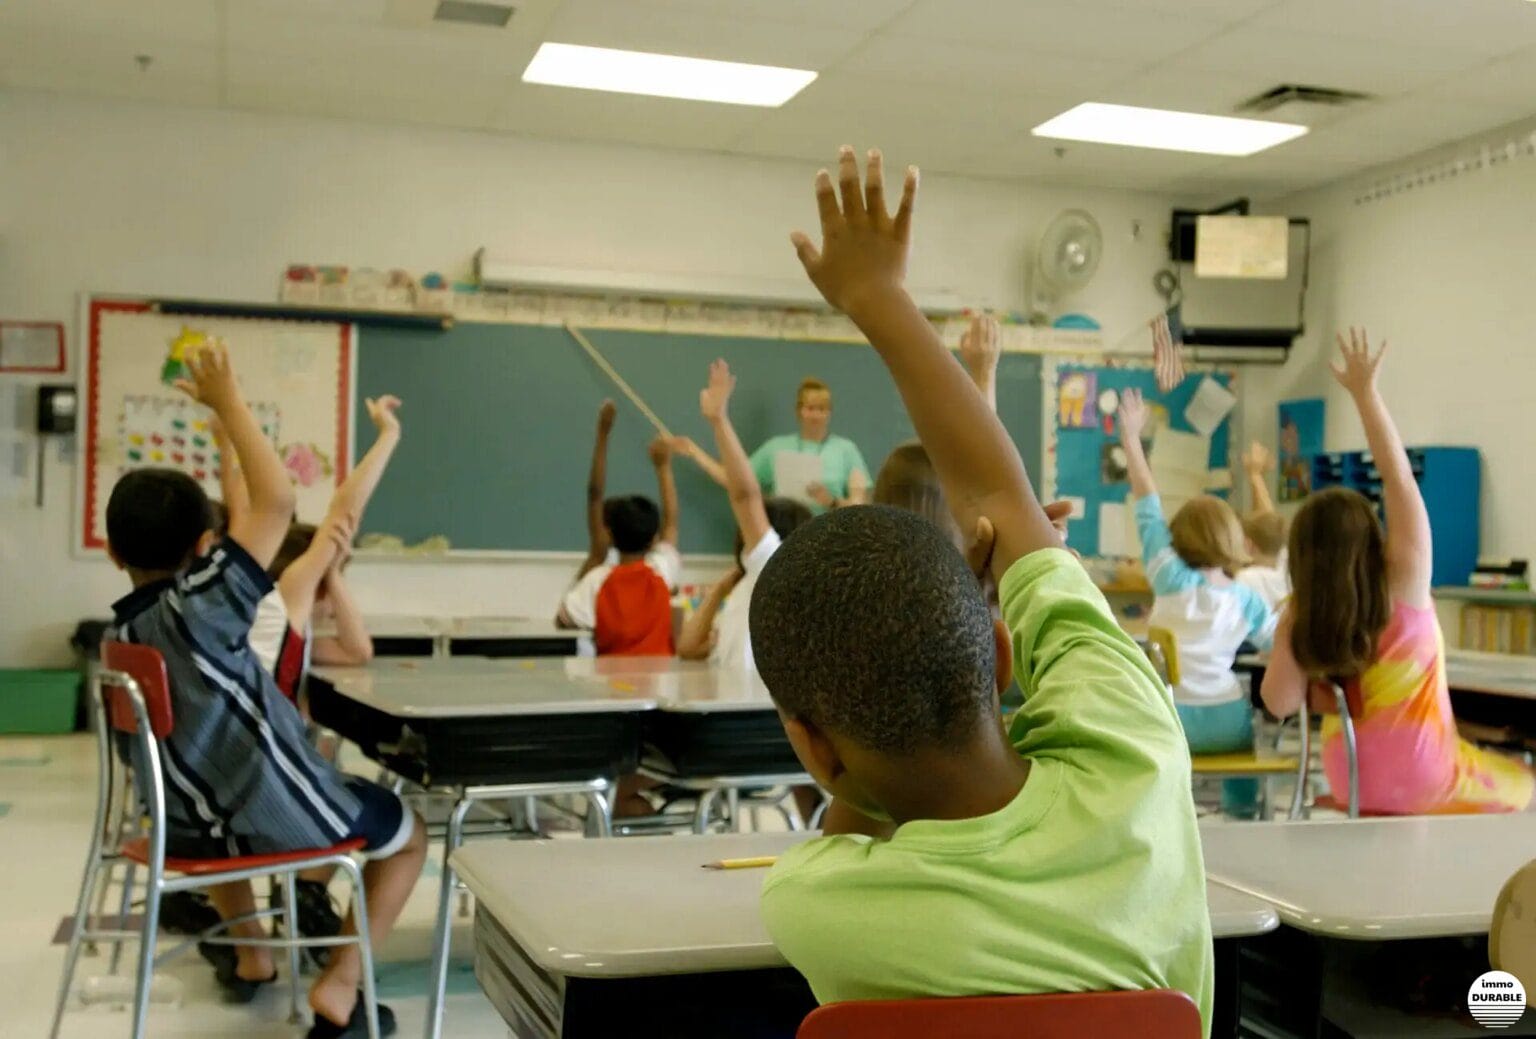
<point x="844" y="475"/>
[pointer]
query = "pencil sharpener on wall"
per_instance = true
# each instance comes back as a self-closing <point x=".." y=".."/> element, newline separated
<point x="56" y="409"/>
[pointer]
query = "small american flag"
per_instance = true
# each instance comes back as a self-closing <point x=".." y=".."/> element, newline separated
<point x="1167" y="354"/>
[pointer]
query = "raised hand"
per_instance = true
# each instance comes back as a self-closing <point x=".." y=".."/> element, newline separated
<point x="981" y="345"/>
<point x="660" y="451"/>
<point x="606" y="414"/>
<point x="382" y="411"/>
<point x="1257" y="460"/>
<point x="1357" y="373"/>
<point x="213" y="377"/>
<point x="863" y="255"/>
<point x="1133" y="415"/>
<point x="714" y="398"/>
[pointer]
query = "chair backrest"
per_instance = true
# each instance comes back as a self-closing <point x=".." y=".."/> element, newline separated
<point x="1163" y="1013"/>
<point x="146" y="667"/>
<point x="1168" y="645"/>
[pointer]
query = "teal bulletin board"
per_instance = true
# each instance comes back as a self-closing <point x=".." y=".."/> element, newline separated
<point x="1079" y="451"/>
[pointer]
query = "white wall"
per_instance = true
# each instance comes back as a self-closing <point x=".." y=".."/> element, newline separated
<point x="1447" y="274"/>
<point x="123" y="197"/>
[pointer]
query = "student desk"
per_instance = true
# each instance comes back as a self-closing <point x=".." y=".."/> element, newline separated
<point x="569" y="934"/>
<point x="488" y="730"/>
<point x="424" y="635"/>
<point x="1342" y="883"/>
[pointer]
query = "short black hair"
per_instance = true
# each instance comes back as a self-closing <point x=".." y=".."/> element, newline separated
<point x="785" y="516"/>
<point x="295" y="543"/>
<point x="632" y="521"/>
<point x="868" y="623"/>
<point x="155" y="517"/>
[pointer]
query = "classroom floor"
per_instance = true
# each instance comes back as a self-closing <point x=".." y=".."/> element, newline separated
<point x="47" y="798"/>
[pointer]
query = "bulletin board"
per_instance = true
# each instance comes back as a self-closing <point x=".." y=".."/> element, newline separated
<point x="297" y="376"/>
<point x="1076" y="439"/>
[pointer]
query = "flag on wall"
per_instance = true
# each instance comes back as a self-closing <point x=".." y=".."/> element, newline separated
<point x="1167" y="354"/>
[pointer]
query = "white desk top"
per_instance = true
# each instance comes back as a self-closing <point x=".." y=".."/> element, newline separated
<point x="1375" y="879"/>
<point x="1497" y="674"/>
<point x="459" y="687"/>
<point x="410" y="625"/>
<point x="634" y="906"/>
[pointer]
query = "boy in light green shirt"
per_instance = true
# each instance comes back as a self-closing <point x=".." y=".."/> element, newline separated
<point x="1062" y="856"/>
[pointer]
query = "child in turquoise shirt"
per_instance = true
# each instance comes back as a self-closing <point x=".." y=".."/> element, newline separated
<point x="1060" y="856"/>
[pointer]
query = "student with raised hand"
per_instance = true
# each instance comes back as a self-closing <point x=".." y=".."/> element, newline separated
<point x="194" y="600"/>
<point x="1062" y="857"/>
<point x="1361" y="615"/>
<point x="1263" y="533"/>
<point x="308" y="572"/>
<point x="623" y="591"/>
<point x="1191" y="563"/>
<point x="717" y="630"/>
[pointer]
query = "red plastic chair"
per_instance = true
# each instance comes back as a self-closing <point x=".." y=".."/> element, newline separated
<point x="131" y="695"/>
<point x="1159" y="1013"/>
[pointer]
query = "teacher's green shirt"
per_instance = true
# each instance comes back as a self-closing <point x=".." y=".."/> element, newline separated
<point x="840" y="459"/>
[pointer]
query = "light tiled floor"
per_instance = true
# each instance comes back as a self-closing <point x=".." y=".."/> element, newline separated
<point x="48" y="790"/>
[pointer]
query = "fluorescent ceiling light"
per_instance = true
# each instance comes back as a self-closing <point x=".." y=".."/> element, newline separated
<point x="1169" y="131"/>
<point x="664" y="75"/>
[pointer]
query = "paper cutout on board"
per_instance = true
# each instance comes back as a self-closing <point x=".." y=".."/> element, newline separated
<point x="1211" y="403"/>
<point x="175" y="366"/>
<point x="1174" y="450"/>
<point x="1075" y="393"/>
<point x="307" y="465"/>
<point x="154" y="430"/>
<point x="1301" y="438"/>
<point x="1117" y="531"/>
<point x="1112" y="463"/>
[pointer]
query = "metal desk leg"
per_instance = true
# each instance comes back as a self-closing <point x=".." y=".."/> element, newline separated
<point x="442" y="932"/>
<point x="600" y="806"/>
<point x="704" y="810"/>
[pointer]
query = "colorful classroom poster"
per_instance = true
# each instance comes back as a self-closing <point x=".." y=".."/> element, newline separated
<point x="1301" y="438"/>
<point x="1077" y="397"/>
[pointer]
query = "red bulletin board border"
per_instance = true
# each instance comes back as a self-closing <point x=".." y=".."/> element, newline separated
<point x="57" y="326"/>
<point x="91" y="369"/>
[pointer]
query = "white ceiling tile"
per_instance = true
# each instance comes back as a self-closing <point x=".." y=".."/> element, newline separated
<point x="141" y="24"/>
<point x="1322" y="60"/>
<point x="1507" y="81"/>
<point x="1227" y="11"/>
<point x="74" y="60"/>
<point x="1483" y="27"/>
<point x="919" y="59"/>
<point x="862" y="15"/>
<point x="1173" y="86"/>
<point x="631" y="26"/>
<point x="546" y="111"/>
<point x="1129" y="33"/>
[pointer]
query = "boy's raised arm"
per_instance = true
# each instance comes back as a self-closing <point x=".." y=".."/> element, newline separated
<point x="860" y="269"/>
<point x="262" y="526"/>
<point x="740" y="481"/>
<point x="666" y="485"/>
<point x="597" y="482"/>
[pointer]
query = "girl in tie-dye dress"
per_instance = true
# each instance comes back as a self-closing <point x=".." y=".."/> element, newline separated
<point x="1361" y="615"/>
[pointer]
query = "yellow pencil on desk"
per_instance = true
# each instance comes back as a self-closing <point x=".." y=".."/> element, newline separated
<point x="760" y="862"/>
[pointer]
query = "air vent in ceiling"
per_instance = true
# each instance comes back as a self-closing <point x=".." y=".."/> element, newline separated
<point x="473" y="12"/>
<point x="1294" y="94"/>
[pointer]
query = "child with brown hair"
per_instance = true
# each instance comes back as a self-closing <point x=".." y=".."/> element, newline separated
<point x="1362" y="616"/>
<point x="1191" y="562"/>
<point x="1263" y="533"/>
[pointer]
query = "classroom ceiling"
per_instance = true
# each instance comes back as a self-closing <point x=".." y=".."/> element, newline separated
<point x="954" y="85"/>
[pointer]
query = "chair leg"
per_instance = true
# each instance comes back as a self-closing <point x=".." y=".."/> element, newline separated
<point x="88" y="885"/>
<point x="733" y="810"/>
<point x="146" y="974"/>
<point x="291" y="929"/>
<point x="130" y="872"/>
<point x="442" y="933"/>
<point x="370" y="995"/>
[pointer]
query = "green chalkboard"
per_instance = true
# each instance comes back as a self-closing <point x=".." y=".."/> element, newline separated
<point x="499" y="421"/>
